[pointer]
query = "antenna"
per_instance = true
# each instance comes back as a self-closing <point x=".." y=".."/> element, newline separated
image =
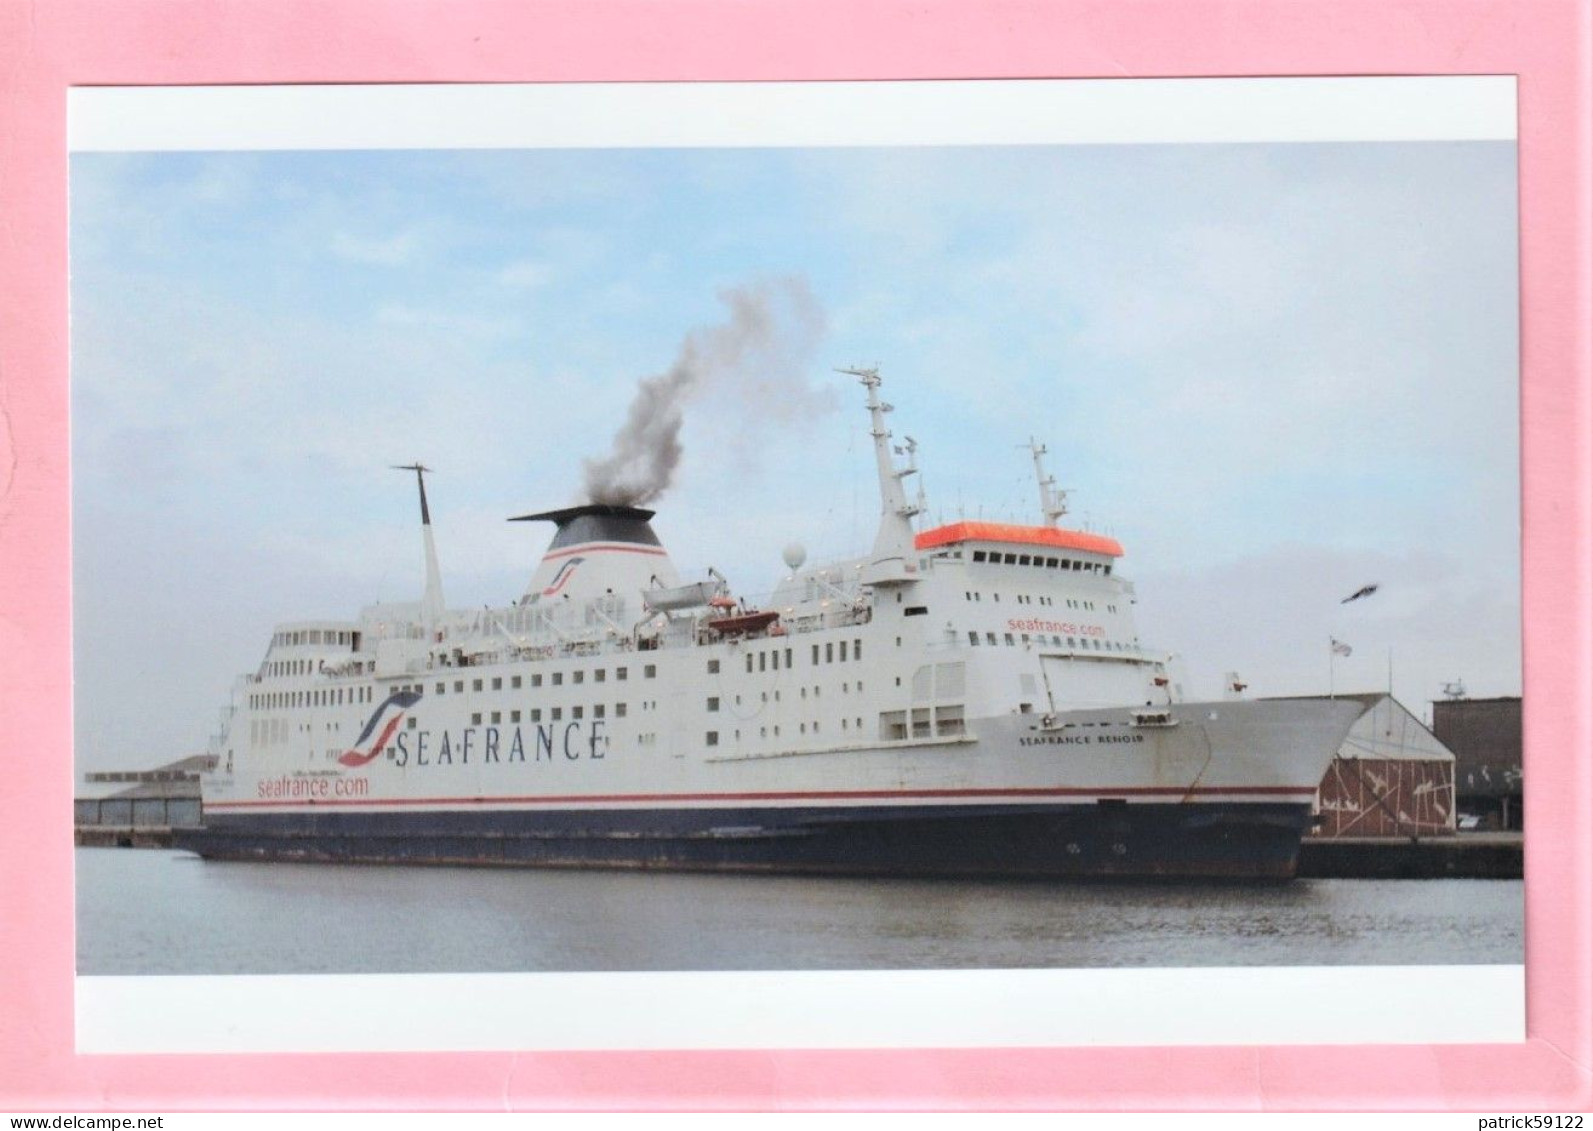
<point x="1053" y="501"/>
<point x="420" y="471"/>
<point x="432" y="604"/>
<point x="893" y="544"/>
<point x="1455" y="689"/>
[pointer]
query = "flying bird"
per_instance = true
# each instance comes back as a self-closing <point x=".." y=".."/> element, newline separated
<point x="1363" y="591"/>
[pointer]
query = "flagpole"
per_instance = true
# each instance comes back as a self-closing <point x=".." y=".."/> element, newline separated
<point x="1331" y="651"/>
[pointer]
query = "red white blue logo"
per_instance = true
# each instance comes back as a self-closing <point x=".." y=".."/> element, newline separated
<point x="382" y="725"/>
<point x="562" y="577"/>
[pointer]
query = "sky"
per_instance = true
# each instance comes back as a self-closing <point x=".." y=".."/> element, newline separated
<point x="1275" y="372"/>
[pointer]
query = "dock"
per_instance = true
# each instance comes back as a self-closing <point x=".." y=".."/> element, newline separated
<point x="1475" y="856"/>
<point x="124" y="836"/>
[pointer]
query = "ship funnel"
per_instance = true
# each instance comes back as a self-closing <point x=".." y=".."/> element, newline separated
<point x="432" y="604"/>
<point x="598" y="549"/>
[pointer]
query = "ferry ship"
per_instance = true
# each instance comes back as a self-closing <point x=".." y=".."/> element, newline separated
<point x="971" y="699"/>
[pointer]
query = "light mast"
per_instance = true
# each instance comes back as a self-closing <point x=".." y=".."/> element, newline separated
<point x="431" y="605"/>
<point x="893" y="557"/>
<point x="1053" y="502"/>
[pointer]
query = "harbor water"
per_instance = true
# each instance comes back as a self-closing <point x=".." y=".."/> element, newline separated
<point x="146" y="911"/>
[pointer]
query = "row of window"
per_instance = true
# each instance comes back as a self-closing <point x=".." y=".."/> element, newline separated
<point x="312" y="636"/>
<point x="320" y="697"/>
<point x="1055" y="641"/>
<point x="769" y="659"/>
<point x="534" y="714"/>
<point x="763" y="696"/>
<point x="291" y="667"/>
<point x="554" y="679"/>
<point x="1073" y="564"/>
<point x="1025" y="599"/>
<point x="711" y="737"/>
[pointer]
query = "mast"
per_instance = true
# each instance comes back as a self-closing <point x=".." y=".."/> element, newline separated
<point x="1053" y="503"/>
<point x="431" y="605"/>
<point x="893" y="544"/>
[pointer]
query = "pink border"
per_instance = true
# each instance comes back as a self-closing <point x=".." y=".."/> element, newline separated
<point x="45" y="47"/>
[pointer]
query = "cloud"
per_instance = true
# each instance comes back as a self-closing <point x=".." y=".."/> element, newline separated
<point x="390" y="251"/>
<point x="1279" y="371"/>
<point x="527" y="273"/>
<point x="451" y="321"/>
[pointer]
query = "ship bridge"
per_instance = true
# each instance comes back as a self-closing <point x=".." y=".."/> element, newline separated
<point x="1002" y="543"/>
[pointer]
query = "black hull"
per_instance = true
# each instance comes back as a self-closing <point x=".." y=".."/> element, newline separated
<point x="1206" y="841"/>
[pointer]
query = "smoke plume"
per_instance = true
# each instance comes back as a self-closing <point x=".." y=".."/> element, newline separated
<point x="758" y="355"/>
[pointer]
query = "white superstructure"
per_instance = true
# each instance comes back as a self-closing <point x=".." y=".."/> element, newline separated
<point x="977" y="668"/>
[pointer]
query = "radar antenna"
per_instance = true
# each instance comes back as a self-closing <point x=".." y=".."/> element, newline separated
<point x="1455" y="689"/>
<point x="1053" y="500"/>
<point x="893" y="558"/>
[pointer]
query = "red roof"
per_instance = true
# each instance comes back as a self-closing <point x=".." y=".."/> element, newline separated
<point x="1016" y="535"/>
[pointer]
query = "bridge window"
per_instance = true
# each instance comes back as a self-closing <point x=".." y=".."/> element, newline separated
<point x="713" y="703"/>
<point x="514" y="682"/>
<point x="713" y="667"/>
<point x="973" y="638"/>
<point x="649" y="671"/>
<point x="713" y="738"/>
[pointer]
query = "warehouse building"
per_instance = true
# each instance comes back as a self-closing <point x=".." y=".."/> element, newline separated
<point x="122" y="806"/>
<point x="1392" y="777"/>
<point x="1485" y="735"/>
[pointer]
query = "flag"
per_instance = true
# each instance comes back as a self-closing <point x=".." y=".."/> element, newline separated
<point x="1363" y="591"/>
<point x="1339" y="647"/>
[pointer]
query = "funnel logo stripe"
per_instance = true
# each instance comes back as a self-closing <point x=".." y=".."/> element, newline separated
<point x="384" y="719"/>
<point x="562" y="577"/>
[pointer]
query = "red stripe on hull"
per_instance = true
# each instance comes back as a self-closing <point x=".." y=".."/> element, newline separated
<point x="1280" y="791"/>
